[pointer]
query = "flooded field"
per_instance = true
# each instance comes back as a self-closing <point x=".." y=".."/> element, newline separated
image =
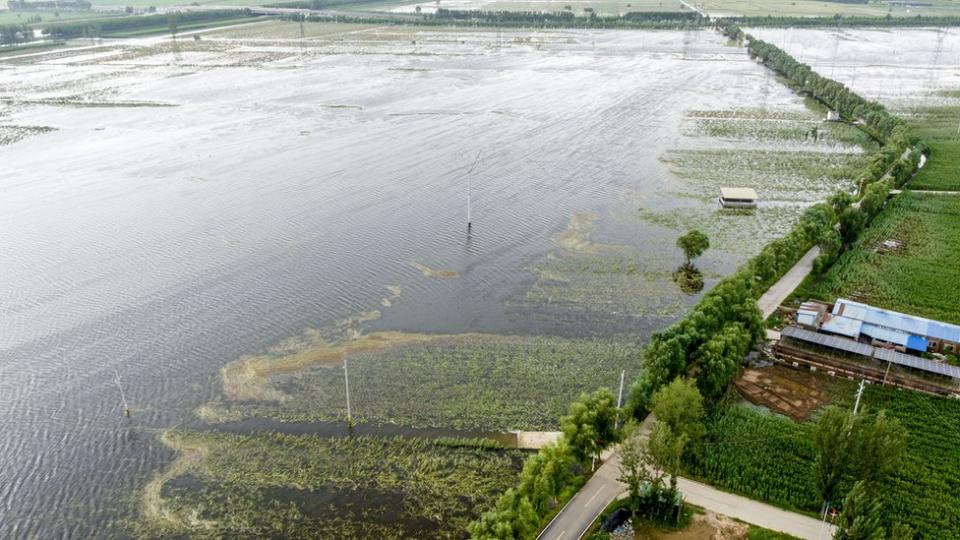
<point x="903" y="68"/>
<point x="172" y="208"/>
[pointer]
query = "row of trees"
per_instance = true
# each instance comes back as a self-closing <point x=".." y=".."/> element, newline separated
<point x="15" y="33"/>
<point x="122" y="24"/>
<point x="726" y="322"/>
<point x="555" y="473"/>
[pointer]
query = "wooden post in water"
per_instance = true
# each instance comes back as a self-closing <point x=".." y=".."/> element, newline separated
<point x="469" y="190"/>
<point x="346" y="381"/>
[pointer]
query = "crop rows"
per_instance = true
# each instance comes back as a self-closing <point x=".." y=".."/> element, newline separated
<point x="912" y="273"/>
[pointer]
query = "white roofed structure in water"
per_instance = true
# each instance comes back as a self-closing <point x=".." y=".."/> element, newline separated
<point x="733" y="197"/>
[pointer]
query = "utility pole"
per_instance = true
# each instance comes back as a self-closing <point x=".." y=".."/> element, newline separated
<point x="123" y="397"/>
<point x="620" y="396"/>
<point x="346" y="381"/>
<point x="856" y="404"/>
<point x="620" y="399"/>
<point x="469" y="190"/>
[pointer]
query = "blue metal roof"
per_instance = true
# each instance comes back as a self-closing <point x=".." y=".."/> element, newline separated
<point x="917" y="343"/>
<point x="910" y="324"/>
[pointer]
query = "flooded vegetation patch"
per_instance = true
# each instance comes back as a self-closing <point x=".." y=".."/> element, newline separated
<point x="310" y="486"/>
<point x="433" y="272"/>
<point x="774" y="125"/>
<point x="11" y="134"/>
<point x="776" y="175"/>
<point x="464" y="382"/>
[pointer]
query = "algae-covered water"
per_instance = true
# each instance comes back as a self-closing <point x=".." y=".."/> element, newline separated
<point x="168" y="208"/>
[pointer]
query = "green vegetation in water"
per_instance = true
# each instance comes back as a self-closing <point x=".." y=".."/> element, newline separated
<point x="10" y="134"/>
<point x="464" y="382"/>
<point x="776" y="175"/>
<point x="774" y="125"/>
<point x="273" y="485"/>
<point x="904" y="261"/>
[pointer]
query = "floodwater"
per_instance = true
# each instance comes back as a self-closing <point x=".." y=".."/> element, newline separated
<point x="899" y="67"/>
<point x="279" y="189"/>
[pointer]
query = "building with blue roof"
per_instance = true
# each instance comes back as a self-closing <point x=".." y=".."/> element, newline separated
<point x="885" y="327"/>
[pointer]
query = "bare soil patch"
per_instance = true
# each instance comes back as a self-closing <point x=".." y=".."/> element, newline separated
<point x="793" y="393"/>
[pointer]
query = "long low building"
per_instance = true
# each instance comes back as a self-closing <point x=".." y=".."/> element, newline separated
<point x="882" y="327"/>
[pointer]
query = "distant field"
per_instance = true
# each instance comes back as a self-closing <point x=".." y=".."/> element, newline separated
<point x="805" y="8"/>
<point x="912" y="274"/>
<point x="24" y="17"/>
<point x="601" y="7"/>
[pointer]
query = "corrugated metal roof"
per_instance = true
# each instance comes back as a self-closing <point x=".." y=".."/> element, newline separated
<point x="886" y="355"/>
<point x="748" y="194"/>
<point x="885" y="334"/>
<point x="834" y="342"/>
<point x="912" y="324"/>
<point x="844" y="326"/>
<point x="939" y="368"/>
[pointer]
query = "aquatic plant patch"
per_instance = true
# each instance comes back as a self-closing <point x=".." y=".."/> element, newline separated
<point x="464" y="382"/>
<point x="269" y="485"/>
<point x="776" y="175"/>
<point x="774" y="125"/>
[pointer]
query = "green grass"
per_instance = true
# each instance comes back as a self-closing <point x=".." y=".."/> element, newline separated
<point x="466" y="382"/>
<point x="770" y="457"/>
<point x="942" y="171"/>
<point x="271" y="485"/>
<point x="759" y="533"/>
<point x="914" y="279"/>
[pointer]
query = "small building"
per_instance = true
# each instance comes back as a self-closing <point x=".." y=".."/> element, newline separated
<point x="890" y="329"/>
<point x="738" y="197"/>
<point x="833" y="116"/>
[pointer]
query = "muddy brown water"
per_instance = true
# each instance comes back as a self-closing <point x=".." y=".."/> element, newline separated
<point x="162" y="242"/>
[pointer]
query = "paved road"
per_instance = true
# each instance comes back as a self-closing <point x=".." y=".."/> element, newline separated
<point x="584" y="508"/>
<point x="577" y="516"/>
<point x="780" y="290"/>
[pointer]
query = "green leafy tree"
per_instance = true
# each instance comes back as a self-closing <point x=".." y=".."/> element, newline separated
<point x="834" y="438"/>
<point x="547" y="474"/>
<point x="512" y="517"/>
<point x="840" y="201"/>
<point x="590" y="424"/>
<point x="720" y="357"/>
<point x="638" y="468"/>
<point x="862" y="514"/>
<point x="693" y="244"/>
<point x="666" y="449"/>
<point x="881" y="443"/>
<point x="679" y="406"/>
<point x="852" y="222"/>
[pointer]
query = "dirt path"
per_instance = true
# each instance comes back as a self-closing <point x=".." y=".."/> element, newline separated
<point x="779" y="291"/>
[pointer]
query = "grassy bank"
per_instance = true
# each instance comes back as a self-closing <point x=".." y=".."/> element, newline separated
<point x="228" y="485"/>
